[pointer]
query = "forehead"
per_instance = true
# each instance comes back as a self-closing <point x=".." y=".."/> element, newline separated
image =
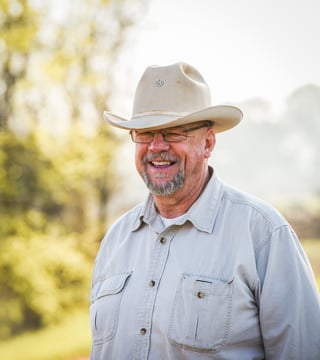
<point x="173" y="128"/>
<point x="170" y="129"/>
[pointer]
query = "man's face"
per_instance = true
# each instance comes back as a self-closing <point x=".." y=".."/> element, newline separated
<point x="168" y="168"/>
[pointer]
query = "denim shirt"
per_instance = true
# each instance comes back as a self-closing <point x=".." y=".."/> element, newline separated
<point x="229" y="280"/>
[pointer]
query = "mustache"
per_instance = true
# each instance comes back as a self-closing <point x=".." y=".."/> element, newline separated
<point x="163" y="155"/>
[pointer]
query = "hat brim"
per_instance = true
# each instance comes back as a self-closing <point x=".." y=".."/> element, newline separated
<point x="224" y="117"/>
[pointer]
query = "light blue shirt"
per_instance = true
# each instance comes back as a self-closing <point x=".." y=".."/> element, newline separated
<point x="229" y="280"/>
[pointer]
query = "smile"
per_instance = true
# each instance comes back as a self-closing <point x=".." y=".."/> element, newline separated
<point x="162" y="164"/>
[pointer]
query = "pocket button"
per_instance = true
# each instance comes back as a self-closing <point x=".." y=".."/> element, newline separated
<point x="201" y="294"/>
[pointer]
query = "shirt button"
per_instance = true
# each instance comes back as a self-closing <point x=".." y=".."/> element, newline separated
<point x="152" y="283"/>
<point x="163" y="240"/>
<point x="201" y="294"/>
<point x="143" y="331"/>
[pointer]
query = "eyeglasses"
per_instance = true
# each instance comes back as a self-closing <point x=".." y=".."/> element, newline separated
<point x="170" y="135"/>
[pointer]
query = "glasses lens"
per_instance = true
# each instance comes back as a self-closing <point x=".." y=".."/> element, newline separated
<point x="174" y="136"/>
<point x="142" y="137"/>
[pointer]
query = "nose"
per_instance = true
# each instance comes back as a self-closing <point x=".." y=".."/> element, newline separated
<point x="158" y="144"/>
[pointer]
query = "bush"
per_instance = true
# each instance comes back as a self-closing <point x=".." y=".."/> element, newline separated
<point x="41" y="278"/>
<point x="50" y="201"/>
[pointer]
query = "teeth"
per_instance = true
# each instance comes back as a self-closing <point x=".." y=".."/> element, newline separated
<point x="161" y="163"/>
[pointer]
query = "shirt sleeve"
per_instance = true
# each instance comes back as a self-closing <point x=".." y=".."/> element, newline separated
<point x="289" y="302"/>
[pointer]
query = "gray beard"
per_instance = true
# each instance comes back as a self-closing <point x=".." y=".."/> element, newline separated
<point x="168" y="188"/>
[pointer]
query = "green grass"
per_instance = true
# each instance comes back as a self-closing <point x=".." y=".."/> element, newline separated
<point x="70" y="340"/>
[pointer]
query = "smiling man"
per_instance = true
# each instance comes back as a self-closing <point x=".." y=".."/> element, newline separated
<point x="200" y="270"/>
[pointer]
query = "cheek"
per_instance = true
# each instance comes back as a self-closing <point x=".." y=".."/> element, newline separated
<point x="203" y="148"/>
<point x="197" y="151"/>
<point x="196" y="155"/>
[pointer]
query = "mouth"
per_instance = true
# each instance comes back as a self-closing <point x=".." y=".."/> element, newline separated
<point x="161" y="164"/>
<point x="160" y="161"/>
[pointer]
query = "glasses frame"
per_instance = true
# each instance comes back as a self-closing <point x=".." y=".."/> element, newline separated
<point x="164" y="134"/>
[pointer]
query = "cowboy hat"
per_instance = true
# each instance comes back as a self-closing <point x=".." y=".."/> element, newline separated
<point x="174" y="95"/>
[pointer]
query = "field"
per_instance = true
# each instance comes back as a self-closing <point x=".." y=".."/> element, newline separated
<point x="70" y="340"/>
<point x="312" y="248"/>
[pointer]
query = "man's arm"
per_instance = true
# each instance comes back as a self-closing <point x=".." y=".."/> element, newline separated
<point x="289" y="299"/>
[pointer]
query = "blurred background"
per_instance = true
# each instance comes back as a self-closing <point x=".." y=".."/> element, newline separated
<point x="65" y="175"/>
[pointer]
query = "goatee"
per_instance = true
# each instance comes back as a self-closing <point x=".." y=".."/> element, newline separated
<point x="169" y="187"/>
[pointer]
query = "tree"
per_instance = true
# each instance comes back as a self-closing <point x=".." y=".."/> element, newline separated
<point x="56" y="153"/>
<point x="18" y="31"/>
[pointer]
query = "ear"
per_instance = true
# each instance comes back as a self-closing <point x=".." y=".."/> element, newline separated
<point x="210" y="143"/>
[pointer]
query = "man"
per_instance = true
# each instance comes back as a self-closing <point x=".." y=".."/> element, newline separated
<point x="199" y="270"/>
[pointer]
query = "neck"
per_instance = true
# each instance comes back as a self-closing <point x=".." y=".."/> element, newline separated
<point x="180" y="202"/>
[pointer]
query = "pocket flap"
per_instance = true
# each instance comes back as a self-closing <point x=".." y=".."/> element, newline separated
<point x="112" y="285"/>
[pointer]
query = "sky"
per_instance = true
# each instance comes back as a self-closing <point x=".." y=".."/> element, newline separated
<point x="243" y="48"/>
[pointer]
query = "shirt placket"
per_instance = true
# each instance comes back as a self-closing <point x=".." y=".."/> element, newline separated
<point x="152" y="281"/>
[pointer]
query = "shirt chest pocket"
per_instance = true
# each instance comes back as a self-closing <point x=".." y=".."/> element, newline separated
<point x="104" y="310"/>
<point x="201" y="313"/>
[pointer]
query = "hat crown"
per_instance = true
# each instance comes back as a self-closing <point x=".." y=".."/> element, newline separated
<point x="177" y="88"/>
<point x="171" y="96"/>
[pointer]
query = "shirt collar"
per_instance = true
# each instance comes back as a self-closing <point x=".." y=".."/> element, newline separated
<point x="202" y="213"/>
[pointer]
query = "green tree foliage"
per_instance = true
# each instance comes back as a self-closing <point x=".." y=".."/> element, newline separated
<point x="52" y="214"/>
<point x="18" y="28"/>
<point x="55" y="152"/>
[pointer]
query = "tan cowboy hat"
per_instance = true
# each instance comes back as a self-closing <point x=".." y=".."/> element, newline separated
<point x="174" y="95"/>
